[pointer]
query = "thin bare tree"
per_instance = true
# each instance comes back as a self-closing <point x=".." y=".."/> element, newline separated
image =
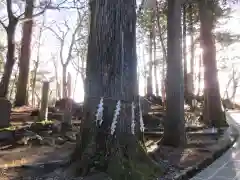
<point x="55" y="64"/>
<point x="37" y="61"/>
<point x="61" y="36"/>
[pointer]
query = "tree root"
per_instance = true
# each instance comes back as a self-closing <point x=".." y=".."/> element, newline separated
<point x="131" y="162"/>
<point x="123" y="158"/>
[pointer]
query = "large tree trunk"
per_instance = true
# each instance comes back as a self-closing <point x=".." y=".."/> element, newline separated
<point x="21" y="95"/>
<point x="213" y="113"/>
<point x="10" y="58"/>
<point x="111" y="73"/>
<point x="175" y="90"/>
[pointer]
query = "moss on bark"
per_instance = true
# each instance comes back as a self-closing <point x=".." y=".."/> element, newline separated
<point x="122" y="158"/>
<point x="131" y="162"/>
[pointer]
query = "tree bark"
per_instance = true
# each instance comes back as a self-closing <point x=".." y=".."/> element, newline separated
<point x="12" y="88"/>
<point x="174" y="87"/>
<point x="199" y="74"/>
<point x="155" y="54"/>
<point x="10" y="57"/>
<point x="212" y="114"/>
<point x="149" y="78"/>
<point x="111" y="73"/>
<point x="191" y="29"/>
<point x="57" y="85"/>
<point x="44" y="101"/>
<point x="164" y="55"/>
<point x="145" y="73"/>
<point x="185" y="48"/>
<point x="69" y="85"/>
<point x="37" y="62"/>
<point x="21" y="95"/>
<point x="64" y="81"/>
<point x="235" y="84"/>
<point x="187" y="77"/>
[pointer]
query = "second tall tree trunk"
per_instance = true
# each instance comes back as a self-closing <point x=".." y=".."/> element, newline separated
<point x="21" y="95"/>
<point x="175" y="83"/>
<point x="212" y="114"/>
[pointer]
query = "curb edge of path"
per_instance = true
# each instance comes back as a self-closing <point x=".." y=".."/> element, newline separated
<point x="191" y="172"/>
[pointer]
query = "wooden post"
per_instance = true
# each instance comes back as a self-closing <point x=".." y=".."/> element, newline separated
<point x="44" y="101"/>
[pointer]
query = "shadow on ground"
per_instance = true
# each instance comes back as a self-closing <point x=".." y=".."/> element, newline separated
<point x="35" y="162"/>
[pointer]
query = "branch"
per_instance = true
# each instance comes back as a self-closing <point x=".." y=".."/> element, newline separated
<point x="48" y="6"/>
<point x="9" y="10"/>
<point x="76" y="65"/>
<point x="61" y="40"/>
<point x="67" y="26"/>
<point x="74" y="39"/>
<point x="59" y="6"/>
<point x="3" y="25"/>
<point x="61" y="52"/>
<point x="22" y="19"/>
<point x="141" y="6"/>
<point x="79" y="69"/>
<point x="160" y="33"/>
<point x="55" y="33"/>
<point x="41" y="30"/>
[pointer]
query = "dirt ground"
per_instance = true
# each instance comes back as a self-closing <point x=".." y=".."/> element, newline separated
<point x="174" y="160"/>
<point x="28" y="155"/>
<point x="16" y="163"/>
<point x="200" y="146"/>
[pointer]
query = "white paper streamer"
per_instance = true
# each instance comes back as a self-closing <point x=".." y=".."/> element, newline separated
<point x="117" y="112"/>
<point x="141" y="118"/>
<point x="133" y="119"/>
<point x="99" y="114"/>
